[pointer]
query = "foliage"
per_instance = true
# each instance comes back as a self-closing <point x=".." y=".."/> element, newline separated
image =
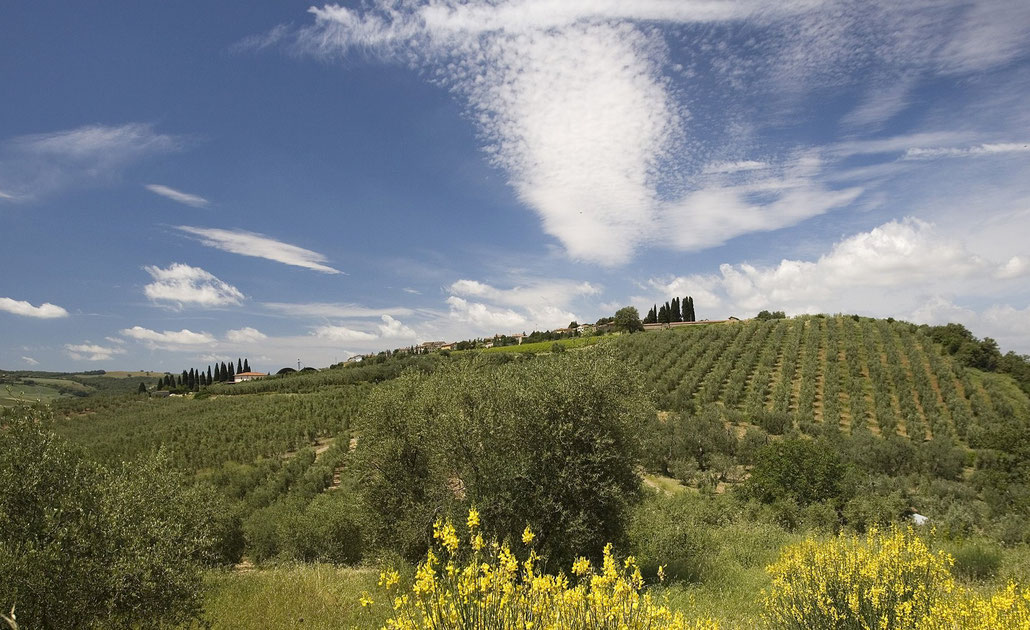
<point x="205" y="433"/>
<point x="627" y="319"/>
<point x="664" y="532"/>
<point x="889" y="580"/>
<point x="801" y="471"/>
<point x="883" y="581"/>
<point x="486" y="586"/>
<point x="550" y="442"/>
<point x="81" y="546"/>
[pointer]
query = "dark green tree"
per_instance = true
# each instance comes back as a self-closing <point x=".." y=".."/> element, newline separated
<point x="246" y="365"/>
<point x="674" y="313"/>
<point x="463" y="426"/>
<point x="627" y="319"/>
<point x="142" y="388"/>
<point x="85" y="547"/>
<point x="239" y="366"/>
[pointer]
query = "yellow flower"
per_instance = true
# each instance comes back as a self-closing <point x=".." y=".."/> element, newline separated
<point x="473" y="520"/>
<point x="527" y="536"/>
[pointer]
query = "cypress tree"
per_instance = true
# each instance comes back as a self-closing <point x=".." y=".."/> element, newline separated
<point x="246" y="365"/>
<point x="690" y="309"/>
<point x="663" y="314"/>
<point x="239" y="365"/>
<point x="675" y="314"/>
<point x="209" y="375"/>
<point x="231" y="374"/>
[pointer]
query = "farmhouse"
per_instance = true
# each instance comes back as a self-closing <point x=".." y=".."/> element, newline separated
<point x="248" y="376"/>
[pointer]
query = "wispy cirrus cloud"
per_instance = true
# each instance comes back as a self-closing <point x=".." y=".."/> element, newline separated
<point x="45" y="310"/>
<point x="181" y="284"/>
<point x="340" y="310"/>
<point x="981" y="150"/>
<point x="177" y="195"/>
<point x="260" y="246"/>
<point x="35" y="165"/>
<point x="30" y="361"/>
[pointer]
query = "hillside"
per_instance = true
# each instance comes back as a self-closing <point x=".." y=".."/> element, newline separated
<point x="26" y="386"/>
<point x="750" y="435"/>
<point x="842" y="373"/>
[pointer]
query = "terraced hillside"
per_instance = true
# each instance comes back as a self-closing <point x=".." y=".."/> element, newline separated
<point x="844" y="373"/>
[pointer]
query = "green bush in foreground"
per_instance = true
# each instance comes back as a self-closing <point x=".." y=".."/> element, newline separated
<point x="550" y="442"/>
<point x="84" y="547"/>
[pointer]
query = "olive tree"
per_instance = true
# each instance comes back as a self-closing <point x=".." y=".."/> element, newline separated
<point x="549" y="442"/>
<point x="83" y="547"/>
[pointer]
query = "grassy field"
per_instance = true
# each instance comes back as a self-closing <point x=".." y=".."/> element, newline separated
<point x="324" y="596"/>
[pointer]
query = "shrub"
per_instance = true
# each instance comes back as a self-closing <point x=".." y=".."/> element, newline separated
<point x="975" y="560"/>
<point x="801" y="471"/>
<point x="551" y="442"/>
<point x="486" y="586"/>
<point x="663" y="531"/>
<point x="889" y="580"/>
<point x="883" y="581"/>
<point x="84" y="547"/>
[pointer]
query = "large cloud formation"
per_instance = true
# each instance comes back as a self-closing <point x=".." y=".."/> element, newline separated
<point x="593" y="119"/>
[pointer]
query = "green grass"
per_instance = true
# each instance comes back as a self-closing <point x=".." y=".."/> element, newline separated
<point x="315" y="596"/>
<point x="545" y="346"/>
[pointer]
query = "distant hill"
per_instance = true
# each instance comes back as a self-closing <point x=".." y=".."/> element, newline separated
<point x="27" y="386"/>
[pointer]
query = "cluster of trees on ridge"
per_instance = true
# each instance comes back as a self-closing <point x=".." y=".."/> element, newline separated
<point x="672" y="311"/>
<point x="193" y="380"/>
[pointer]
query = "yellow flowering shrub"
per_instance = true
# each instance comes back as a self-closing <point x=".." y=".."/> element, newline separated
<point x="1009" y="609"/>
<point x="883" y="581"/>
<point x="484" y="586"/>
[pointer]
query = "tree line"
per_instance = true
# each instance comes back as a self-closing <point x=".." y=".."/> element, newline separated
<point x="675" y="310"/>
<point x="192" y="380"/>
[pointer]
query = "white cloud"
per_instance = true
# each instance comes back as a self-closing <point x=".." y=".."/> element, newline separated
<point x="886" y="263"/>
<point x="484" y="317"/>
<point x="342" y="334"/>
<point x="30" y="361"/>
<point x="45" y="310"/>
<point x="537" y="293"/>
<point x="34" y="165"/>
<point x="182" y="284"/>
<point x="260" y="246"/>
<point x="734" y="167"/>
<point x="1000" y="148"/>
<point x="1015" y="267"/>
<point x="184" y="339"/>
<point x="582" y="106"/>
<point x="333" y="309"/>
<point x="177" y="195"/>
<point x="245" y="335"/>
<point x="91" y="352"/>
<point x="394" y="329"/>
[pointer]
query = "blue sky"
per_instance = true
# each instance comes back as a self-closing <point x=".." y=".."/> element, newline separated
<point x="188" y="182"/>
